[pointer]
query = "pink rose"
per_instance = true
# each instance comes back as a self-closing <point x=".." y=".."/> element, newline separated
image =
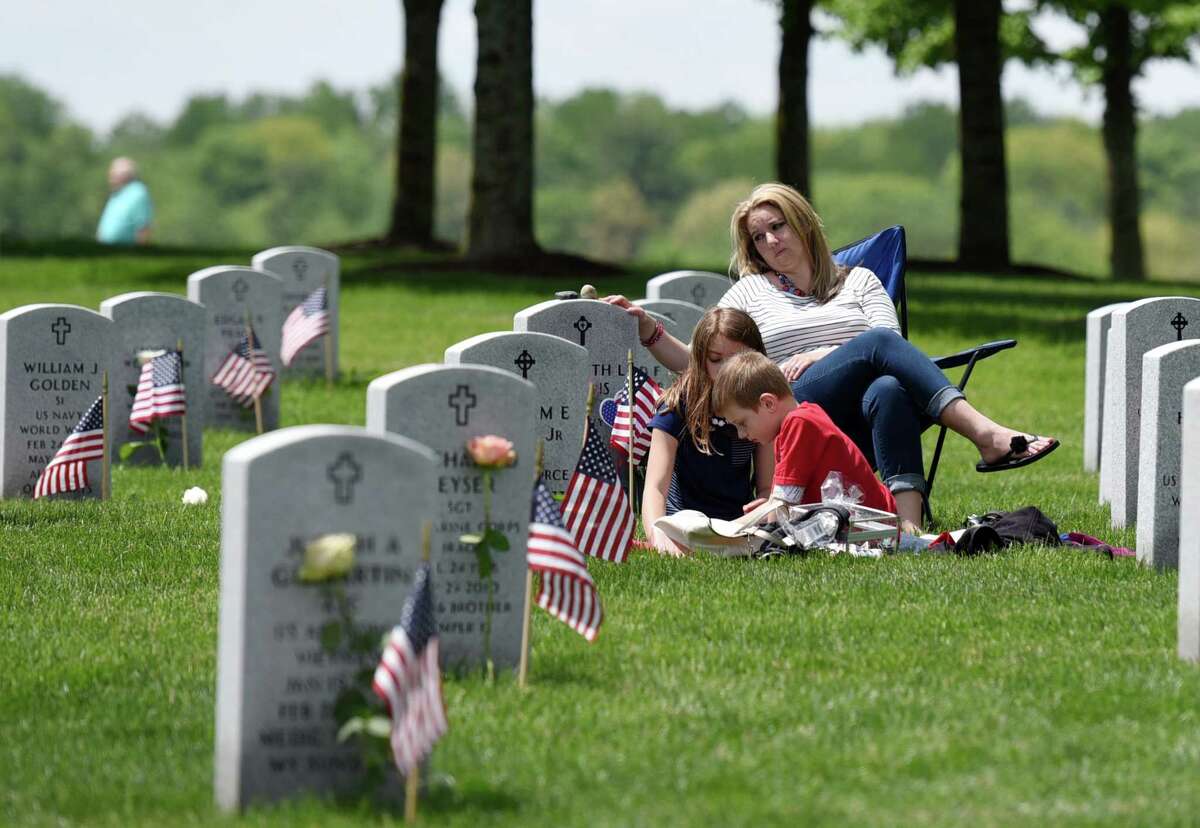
<point x="491" y="451"/>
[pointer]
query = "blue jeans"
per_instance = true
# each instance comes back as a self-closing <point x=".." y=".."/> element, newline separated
<point x="882" y="392"/>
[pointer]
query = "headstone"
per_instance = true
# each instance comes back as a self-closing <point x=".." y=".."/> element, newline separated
<point x="685" y="315"/>
<point x="1098" y="323"/>
<point x="303" y="270"/>
<point x="646" y="361"/>
<point x="606" y="331"/>
<point x="1189" y="526"/>
<point x="228" y="294"/>
<point x="1165" y="370"/>
<point x="696" y="286"/>
<point x="1136" y="328"/>
<point x="146" y="322"/>
<point x="559" y="370"/>
<point x="275" y="731"/>
<point x="443" y="406"/>
<point x="52" y="362"/>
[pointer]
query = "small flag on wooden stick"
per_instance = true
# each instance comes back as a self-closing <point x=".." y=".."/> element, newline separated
<point x="160" y="392"/>
<point x="409" y="681"/>
<point x="67" y="470"/>
<point x="246" y="373"/>
<point x="632" y="420"/>
<point x="595" y="509"/>
<point x="306" y="322"/>
<point x="567" y="590"/>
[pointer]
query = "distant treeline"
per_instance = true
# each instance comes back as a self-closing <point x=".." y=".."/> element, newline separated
<point x="619" y="176"/>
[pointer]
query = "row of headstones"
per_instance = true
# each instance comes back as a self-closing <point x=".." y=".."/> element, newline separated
<point x="1142" y="431"/>
<point x="53" y="357"/>
<point x="275" y="687"/>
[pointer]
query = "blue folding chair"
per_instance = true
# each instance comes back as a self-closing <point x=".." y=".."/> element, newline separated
<point x="886" y="255"/>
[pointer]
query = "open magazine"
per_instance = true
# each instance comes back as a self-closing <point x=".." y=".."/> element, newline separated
<point x="776" y="526"/>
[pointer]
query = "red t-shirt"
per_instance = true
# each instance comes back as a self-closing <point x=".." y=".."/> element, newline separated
<point x="810" y="446"/>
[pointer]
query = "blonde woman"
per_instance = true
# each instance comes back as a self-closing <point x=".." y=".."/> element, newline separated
<point x="834" y="333"/>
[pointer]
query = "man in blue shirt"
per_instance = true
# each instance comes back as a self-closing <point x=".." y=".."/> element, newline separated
<point x="126" y="217"/>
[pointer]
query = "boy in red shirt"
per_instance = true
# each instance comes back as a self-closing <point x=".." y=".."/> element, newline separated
<point x="750" y="392"/>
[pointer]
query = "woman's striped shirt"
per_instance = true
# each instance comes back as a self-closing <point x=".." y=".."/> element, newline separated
<point x="790" y="324"/>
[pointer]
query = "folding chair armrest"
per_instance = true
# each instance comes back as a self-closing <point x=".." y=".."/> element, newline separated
<point x="977" y="353"/>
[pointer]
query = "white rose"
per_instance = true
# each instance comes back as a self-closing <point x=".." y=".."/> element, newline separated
<point x="328" y="557"/>
<point x="195" y="496"/>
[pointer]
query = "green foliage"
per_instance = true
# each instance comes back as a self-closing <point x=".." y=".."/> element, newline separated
<point x="620" y="177"/>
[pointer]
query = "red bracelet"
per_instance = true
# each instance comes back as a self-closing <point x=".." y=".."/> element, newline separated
<point x="654" y="337"/>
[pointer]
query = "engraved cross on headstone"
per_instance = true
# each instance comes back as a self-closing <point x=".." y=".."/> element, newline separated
<point x="60" y="329"/>
<point x="300" y="268"/>
<point x="1179" y="323"/>
<point x="462" y="401"/>
<point x="698" y="293"/>
<point x="583" y="326"/>
<point x="344" y="473"/>
<point x="239" y="289"/>
<point x="525" y="361"/>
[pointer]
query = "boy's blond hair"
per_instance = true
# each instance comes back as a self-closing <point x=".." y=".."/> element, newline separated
<point x="744" y="378"/>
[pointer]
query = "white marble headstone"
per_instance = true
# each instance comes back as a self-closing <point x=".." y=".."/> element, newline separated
<point x="52" y="362"/>
<point x="147" y="322"/>
<point x="1189" y="527"/>
<point x="606" y="331"/>
<point x="228" y="294"/>
<point x="444" y="406"/>
<point x="696" y="286"/>
<point x="645" y="360"/>
<point x="276" y="735"/>
<point x="685" y="315"/>
<point x="1136" y="328"/>
<point x="1165" y="370"/>
<point x="303" y="270"/>
<point x="559" y="369"/>
<point x="1098" y="323"/>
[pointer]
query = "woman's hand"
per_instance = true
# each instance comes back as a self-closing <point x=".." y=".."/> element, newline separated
<point x="644" y="320"/>
<point x="797" y="364"/>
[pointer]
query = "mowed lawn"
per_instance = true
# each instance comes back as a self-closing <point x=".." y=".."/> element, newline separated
<point x="1035" y="687"/>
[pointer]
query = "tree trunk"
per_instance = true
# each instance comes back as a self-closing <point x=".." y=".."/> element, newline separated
<point x="1120" y="145"/>
<point x="791" y="120"/>
<point x="500" y="224"/>
<point x="983" y="204"/>
<point x="416" y="132"/>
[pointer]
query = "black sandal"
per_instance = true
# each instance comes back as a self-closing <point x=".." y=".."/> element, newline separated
<point x="1014" y="458"/>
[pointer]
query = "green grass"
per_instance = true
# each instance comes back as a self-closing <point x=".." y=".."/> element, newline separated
<point x="1035" y="687"/>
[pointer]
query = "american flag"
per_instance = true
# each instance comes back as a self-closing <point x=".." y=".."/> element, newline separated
<point x="635" y="418"/>
<point x="567" y="591"/>
<point x="160" y="392"/>
<point x="596" y="510"/>
<point x="408" y="679"/>
<point x="67" y="470"/>
<point x="306" y="322"/>
<point x="246" y="372"/>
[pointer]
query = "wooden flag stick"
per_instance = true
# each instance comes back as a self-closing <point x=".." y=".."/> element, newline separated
<point x="328" y="336"/>
<point x="629" y="401"/>
<point x="104" y="461"/>
<point x="183" y="416"/>
<point x="412" y="787"/>
<point x="412" y="782"/>
<point x="587" y="412"/>
<point x="523" y="665"/>
<point x="250" y="353"/>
